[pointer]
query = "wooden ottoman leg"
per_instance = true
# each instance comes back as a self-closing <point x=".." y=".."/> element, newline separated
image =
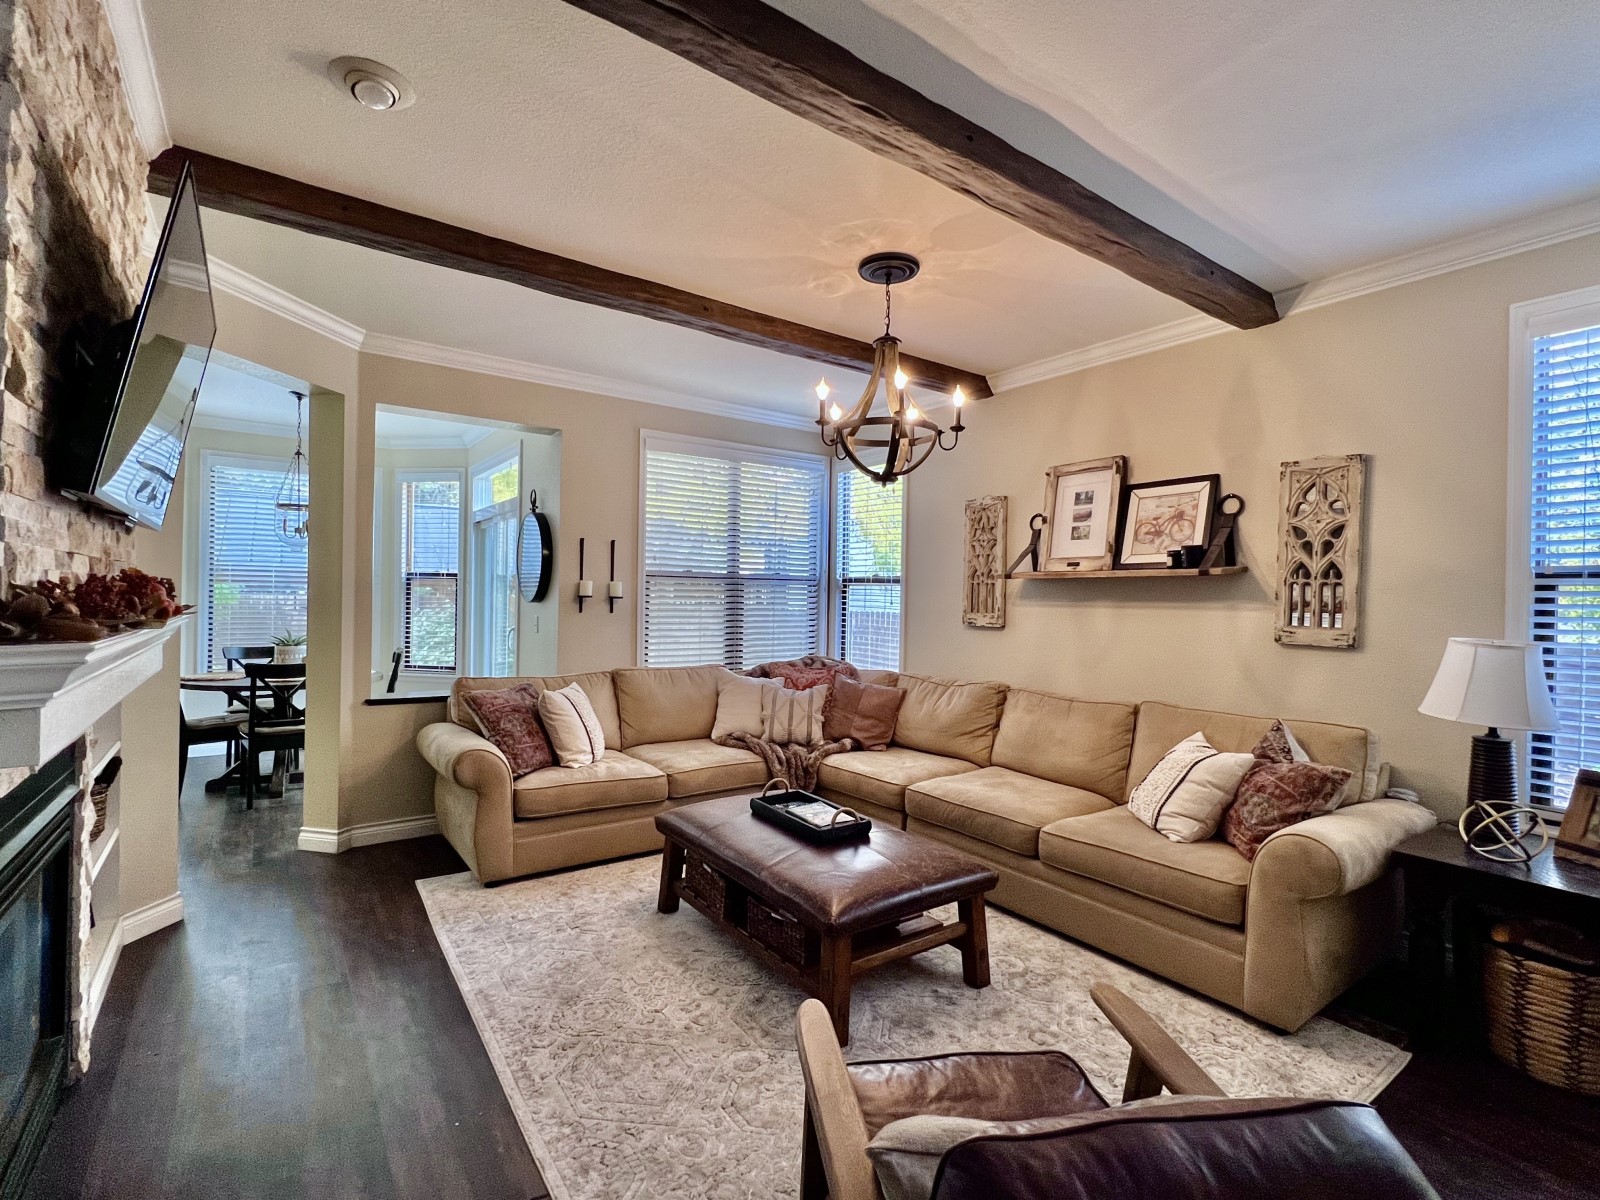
<point x="671" y="872"/>
<point x="833" y="982"/>
<point x="974" y="943"/>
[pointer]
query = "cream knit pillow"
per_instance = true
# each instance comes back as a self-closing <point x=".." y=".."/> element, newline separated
<point x="739" y="705"/>
<point x="1186" y="793"/>
<point x="574" y="729"/>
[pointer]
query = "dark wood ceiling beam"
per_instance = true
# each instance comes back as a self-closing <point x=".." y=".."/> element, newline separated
<point x="785" y="62"/>
<point x="250" y="192"/>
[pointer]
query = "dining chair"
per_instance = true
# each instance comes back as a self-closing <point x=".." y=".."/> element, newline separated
<point x="237" y="656"/>
<point x="225" y="727"/>
<point x="272" y="721"/>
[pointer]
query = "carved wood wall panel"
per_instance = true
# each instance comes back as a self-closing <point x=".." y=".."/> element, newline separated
<point x="1319" y="551"/>
<point x="983" y="603"/>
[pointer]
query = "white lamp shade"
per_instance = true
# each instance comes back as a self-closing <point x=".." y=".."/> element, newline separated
<point x="1498" y="684"/>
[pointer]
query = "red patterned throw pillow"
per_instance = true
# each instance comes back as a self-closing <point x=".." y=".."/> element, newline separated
<point x="510" y="719"/>
<point x="1276" y="795"/>
<point x="803" y="674"/>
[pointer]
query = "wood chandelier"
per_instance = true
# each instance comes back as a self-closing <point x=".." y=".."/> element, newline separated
<point x="905" y="437"/>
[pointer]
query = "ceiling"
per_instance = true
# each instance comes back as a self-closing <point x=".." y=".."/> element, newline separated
<point x="1290" y="140"/>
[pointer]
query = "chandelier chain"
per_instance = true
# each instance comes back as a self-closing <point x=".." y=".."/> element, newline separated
<point x="887" y="303"/>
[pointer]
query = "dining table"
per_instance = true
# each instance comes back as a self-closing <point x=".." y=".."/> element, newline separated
<point x="235" y="685"/>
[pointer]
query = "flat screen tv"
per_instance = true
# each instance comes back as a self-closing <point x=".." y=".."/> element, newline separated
<point x="119" y="425"/>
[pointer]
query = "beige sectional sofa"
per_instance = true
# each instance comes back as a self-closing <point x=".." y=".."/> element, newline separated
<point x="1032" y="783"/>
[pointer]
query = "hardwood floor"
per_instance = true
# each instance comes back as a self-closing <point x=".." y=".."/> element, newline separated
<point x="299" y="1035"/>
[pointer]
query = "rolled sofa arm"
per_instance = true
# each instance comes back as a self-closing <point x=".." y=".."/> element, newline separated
<point x="472" y="796"/>
<point x="458" y="754"/>
<point x="1340" y="852"/>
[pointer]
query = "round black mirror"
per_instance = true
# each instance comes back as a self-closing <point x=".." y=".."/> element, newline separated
<point x="534" y="547"/>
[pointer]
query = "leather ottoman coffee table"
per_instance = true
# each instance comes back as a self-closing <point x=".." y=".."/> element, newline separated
<point x="821" y="915"/>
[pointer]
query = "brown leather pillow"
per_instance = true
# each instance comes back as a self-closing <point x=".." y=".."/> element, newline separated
<point x="1276" y="795"/>
<point x="866" y="712"/>
<point x="510" y="719"/>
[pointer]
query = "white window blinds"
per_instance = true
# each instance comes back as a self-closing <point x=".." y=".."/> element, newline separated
<point x="1564" y="544"/>
<point x="253" y="585"/>
<point x="868" y="532"/>
<point x="430" y="572"/>
<point x="733" y="553"/>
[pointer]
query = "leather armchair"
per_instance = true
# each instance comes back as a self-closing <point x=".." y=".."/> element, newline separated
<point x="1067" y="1142"/>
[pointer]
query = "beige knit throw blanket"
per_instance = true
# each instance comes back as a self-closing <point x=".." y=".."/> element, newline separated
<point x="797" y="764"/>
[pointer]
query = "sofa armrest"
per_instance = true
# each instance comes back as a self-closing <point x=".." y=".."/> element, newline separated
<point x="1339" y="852"/>
<point x="462" y="756"/>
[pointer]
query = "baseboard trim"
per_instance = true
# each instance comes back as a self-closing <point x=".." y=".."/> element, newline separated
<point x="142" y="922"/>
<point x="372" y="833"/>
<point x="130" y="927"/>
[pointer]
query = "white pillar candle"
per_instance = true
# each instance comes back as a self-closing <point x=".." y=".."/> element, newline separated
<point x="614" y="589"/>
<point x="585" y="588"/>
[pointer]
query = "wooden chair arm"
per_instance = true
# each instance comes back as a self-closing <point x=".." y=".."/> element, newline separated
<point x="1156" y="1060"/>
<point x="836" y="1132"/>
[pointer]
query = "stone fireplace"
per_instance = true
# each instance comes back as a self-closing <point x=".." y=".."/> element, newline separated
<point x="36" y="958"/>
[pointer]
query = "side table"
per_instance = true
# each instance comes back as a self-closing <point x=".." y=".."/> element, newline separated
<point x="1450" y="895"/>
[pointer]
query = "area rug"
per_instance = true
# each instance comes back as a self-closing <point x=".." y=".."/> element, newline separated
<point x="646" y="1055"/>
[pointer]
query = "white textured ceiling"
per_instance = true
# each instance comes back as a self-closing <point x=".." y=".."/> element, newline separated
<point x="1289" y="140"/>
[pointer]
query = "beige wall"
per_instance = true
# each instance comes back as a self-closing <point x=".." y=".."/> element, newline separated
<point x="1414" y="376"/>
<point x="384" y="777"/>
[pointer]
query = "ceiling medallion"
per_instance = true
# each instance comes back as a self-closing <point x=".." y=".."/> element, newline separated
<point x="903" y="439"/>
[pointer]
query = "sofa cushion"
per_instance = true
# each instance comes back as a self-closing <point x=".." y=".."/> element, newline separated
<point x="595" y="684"/>
<point x="1207" y="879"/>
<point x="1004" y="808"/>
<point x="666" y="704"/>
<point x="699" y="766"/>
<point x="882" y="776"/>
<point x="1081" y="743"/>
<point x="613" y="782"/>
<point x="881" y="678"/>
<point x="956" y="720"/>
<point x="1162" y="726"/>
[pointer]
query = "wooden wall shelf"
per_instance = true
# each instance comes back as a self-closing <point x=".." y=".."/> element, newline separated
<point x="1151" y="573"/>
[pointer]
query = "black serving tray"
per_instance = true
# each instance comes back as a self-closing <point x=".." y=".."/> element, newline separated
<point x="772" y="807"/>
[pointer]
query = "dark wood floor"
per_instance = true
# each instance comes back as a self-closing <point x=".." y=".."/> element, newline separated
<point x="299" y="1035"/>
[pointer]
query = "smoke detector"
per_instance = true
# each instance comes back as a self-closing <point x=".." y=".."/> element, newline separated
<point x="371" y="84"/>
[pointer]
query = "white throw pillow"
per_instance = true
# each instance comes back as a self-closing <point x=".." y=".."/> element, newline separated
<point x="1186" y="793"/>
<point x="793" y="717"/>
<point x="739" y="705"/>
<point x="574" y="730"/>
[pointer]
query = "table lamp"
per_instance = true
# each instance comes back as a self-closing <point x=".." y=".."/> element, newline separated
<point x="1500" y="685"/>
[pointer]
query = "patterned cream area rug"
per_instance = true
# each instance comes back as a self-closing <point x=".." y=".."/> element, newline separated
<point x="647" y="1056"/>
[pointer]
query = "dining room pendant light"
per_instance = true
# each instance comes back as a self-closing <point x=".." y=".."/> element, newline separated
<point x="293" y="504"/>
<point x="902" y="438"/>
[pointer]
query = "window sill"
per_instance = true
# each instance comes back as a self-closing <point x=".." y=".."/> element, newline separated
<point x="408" y="698"/>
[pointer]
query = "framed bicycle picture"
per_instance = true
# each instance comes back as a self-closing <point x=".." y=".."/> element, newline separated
<point x="1168" y="514"/>
<point x="1080" y="502"/>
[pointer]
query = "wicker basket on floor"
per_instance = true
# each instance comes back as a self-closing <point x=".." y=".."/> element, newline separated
<point x="1541" y="990"/>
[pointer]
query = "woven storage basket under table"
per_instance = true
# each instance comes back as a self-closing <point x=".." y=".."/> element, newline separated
<point x="705" y="883"/>
<point x="1541" y="991"/>
<point x="784" y="936"/>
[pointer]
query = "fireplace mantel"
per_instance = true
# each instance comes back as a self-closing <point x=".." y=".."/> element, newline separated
<point x="52" y="692"/>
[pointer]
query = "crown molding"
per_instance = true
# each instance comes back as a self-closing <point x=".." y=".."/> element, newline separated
<point x="1131" y="345"/>
<point x="240" y="425"/>
<point x="577" y="381"/>
<point x="1503" y="241"/>
<point x="141" y="89"/>
<point x="226" y="277"/>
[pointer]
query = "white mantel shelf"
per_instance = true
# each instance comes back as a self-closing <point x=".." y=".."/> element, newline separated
<point x="52" y="692"/>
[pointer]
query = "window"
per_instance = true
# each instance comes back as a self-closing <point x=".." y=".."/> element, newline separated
<point x="495" y="510"/>
<point x="734" y="552"/>
<point x="868" y="528"/>
<point x="430" y="571"/>
<point x="1554" y="582"/>
<point x="252" y="584"/>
